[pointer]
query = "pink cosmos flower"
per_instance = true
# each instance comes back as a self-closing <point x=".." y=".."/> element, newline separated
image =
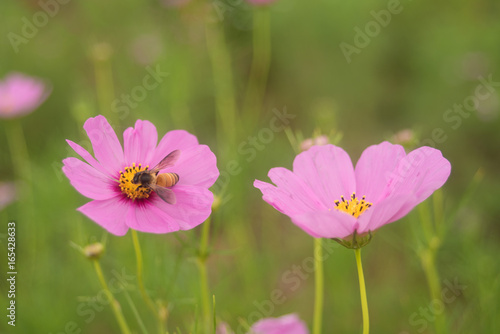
<point x="119" y="203"/>
<point x="287" y="324"/>
<point x="326" y="197"/>
<point x="20" y="95"/>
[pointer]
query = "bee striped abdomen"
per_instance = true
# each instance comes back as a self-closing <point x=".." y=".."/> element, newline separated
<point x="167" y="179"/>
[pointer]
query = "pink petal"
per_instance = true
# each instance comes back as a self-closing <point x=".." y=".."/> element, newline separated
<point x="328" y="171"/>
<point x="145" y="216"/>
<point x="139" y="143"/>
<point x="375" y="167"/>
<point x="291" y="196"/>
<point x="109" y="213"/>
<point x="87" y="157"/>
<point x="105" y="143"/>
<point x="326" y="224"/>
<point x="88" y="180"/>
<point x="197" y="165"/>
<point x="193" y="206"/>
<point x="173" y="140"/>
<point x="381" y="213"/>
<point x="418" y="175"/>
<point x="287" y="324"/>
<point x="421" y="173"/>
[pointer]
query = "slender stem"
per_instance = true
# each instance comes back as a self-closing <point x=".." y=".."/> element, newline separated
<point x="22" y="170"/>
<point x="427" y="258"/>
<point x="202" y="265"/>
<point x="223" y="82"/>
<point x="426" y="221"/>
<point x="362" y="291"/>
<point x="428" y="255"/>
<point x="261" y="60"/>
<point x="319" y="286"/>
<point x="438" y="206"/>
<point x="140" y="282"/>
<point x="18" y="151"/>
<point x="136" y="313"/>
<point x="101" y="56"/>
<point x="115" y="306"/>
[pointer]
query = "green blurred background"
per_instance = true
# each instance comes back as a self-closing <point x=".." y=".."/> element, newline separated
<point x="427" y="59"/>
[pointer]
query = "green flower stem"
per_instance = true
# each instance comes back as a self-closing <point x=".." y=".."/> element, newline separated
<point x="437" y="203"/>
<point x="136" y="313"/>
<point x="202" y="265"/>
<point x="319" y="285"/>
<point x="426" y="221"/>
<point x="22" y="170"/>
<point x="428" y="259"/>
<point x="140" y="282"/>
<point x="431" y="226"/>
<point x="362" y="291"/>
<point x="105" y="91"/>
<point x="223" y="82"/>
<point x="18" y="151"/>
<point x="113" y="302"/>
<point x="261" y="60"/>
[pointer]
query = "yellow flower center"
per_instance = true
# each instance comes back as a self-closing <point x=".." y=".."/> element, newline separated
<point x="132" y="190"/>
<point x="354" y="207"/>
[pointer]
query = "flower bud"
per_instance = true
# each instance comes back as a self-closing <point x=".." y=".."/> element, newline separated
<point x="94" y="251"/>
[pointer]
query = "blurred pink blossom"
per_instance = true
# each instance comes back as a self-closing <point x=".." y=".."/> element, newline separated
<point x="174" y="3"/>
<point x="223" y="328"/>
<point x="7" y="194"/>
<point x="310" y="142"/>
<point x="287" y="324"/>
<point x="20" y="95"/>
<point x="404" y="137"/>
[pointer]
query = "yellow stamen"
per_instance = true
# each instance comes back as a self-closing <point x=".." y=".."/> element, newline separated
<point x="133" y="191"/>
<point x="354" y="206"/>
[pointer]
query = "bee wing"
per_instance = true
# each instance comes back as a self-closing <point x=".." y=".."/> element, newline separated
<point x="165" y="194"/>
<point x="169" y="160"/>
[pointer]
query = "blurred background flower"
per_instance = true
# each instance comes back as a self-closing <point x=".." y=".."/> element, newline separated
<point x="21" y="94"/>
<point x="8" y="193"/>
<point x="310" y="142"/>
<point x="286" y="324"/>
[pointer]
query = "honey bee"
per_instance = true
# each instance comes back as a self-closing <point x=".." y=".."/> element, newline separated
<point x="160" y="183"/>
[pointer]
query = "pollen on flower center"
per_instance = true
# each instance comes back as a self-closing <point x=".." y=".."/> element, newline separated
<point x="354" y="207"/>
<point x="132" y="190"/>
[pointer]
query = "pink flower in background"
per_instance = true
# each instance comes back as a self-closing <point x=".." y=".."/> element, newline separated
<point x="118" y="202"/>
<point x="326" y="197"/>
<point x="223" y="328"/>
<point x="20" y="95"/>
<point x="175" y="3"/>
<point x="8" y="194"/>
<point x="287" y="324"/>
<point x="310" y="142"/>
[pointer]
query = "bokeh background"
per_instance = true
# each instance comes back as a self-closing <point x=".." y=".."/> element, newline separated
<point x="405" y="75"/>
